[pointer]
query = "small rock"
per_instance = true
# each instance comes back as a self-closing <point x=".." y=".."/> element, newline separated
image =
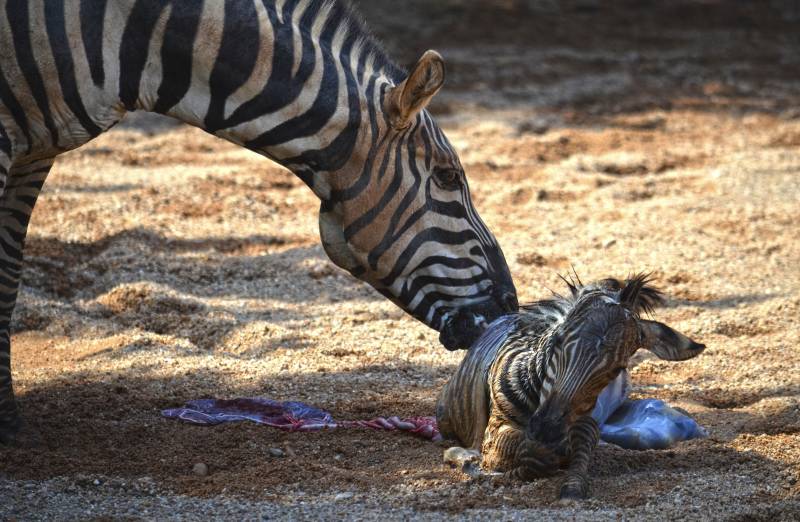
<point x="338" y="456"/>
<point x="276" y="452"/>
<point x="200" y="469"/>
<point x="343" y="496"/>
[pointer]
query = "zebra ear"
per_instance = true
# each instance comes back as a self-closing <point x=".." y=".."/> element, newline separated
<point x="406" y="100"/>
<point x="668" y="344"/>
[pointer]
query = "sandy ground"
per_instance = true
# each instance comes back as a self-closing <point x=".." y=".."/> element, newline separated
<point x="165" y="265"/>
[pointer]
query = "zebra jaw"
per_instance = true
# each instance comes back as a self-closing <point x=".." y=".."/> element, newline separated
<point x="331" y="234"/>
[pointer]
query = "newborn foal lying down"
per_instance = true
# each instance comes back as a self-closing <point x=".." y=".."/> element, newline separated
<point x="525" y="402"/>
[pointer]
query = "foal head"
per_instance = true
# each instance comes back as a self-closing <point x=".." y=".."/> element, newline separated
<point x="600" y="331"/>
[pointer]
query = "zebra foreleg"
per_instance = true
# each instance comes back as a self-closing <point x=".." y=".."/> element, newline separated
<point x="16" y="204"/>
<point x="541" y="450"/>
<point x="534" y="460"/>
<point x="583" y="437"/>
<point x="509" y="450"/>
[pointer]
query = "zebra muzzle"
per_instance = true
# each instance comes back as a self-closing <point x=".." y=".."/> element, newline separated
<point x="463" y="326"/>
<point x="461" y="329"/>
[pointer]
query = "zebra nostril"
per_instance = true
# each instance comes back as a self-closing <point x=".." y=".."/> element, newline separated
<point x="509" y="302"/>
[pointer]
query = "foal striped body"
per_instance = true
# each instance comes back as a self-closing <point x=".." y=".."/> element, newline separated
<point x="524" y="394"/>
<point x="298" y="81"/>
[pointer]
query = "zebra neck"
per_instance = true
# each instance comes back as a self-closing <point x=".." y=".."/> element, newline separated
<point x="540" y="363"/>
<point x="529" y="382"/>
<point x="296" y="82"/>
<point x="540" y="322"/>
<point x="516" y="396"/>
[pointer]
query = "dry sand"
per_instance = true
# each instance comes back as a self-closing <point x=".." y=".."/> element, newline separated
<point x="165" y="265"/>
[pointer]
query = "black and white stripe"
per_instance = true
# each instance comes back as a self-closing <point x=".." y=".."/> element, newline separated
<point x="525" y="392"/>
<point x="299" y="81"/>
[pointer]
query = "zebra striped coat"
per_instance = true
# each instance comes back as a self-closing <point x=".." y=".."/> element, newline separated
<point x="523" y="395"/>
<point x="298" y="81"/>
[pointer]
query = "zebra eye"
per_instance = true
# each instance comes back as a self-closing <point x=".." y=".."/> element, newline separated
<point x="446" y="178"/>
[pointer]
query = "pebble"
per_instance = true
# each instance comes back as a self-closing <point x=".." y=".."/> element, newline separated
<point x="343" y="496"/>
<point x="200" y="469"/>
<point x="276" y="452"/>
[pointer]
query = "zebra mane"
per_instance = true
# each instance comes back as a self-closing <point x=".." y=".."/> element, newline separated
<point x="356" y="26"/>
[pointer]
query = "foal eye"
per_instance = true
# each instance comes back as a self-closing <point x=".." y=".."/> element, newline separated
<point x="446" y="177"/>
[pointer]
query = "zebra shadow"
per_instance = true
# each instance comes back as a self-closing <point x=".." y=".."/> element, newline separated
<point x="256" y="266"/>
<point x="202" y="290"/>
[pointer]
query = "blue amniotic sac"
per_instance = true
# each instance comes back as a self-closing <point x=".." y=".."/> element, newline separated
<point x="640" y="424"/>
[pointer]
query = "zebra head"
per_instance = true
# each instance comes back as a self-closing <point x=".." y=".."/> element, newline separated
<point x="399" y="214"/>
<point x="600" y="332"/>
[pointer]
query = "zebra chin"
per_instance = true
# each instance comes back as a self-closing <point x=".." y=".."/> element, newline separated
<point x="463" y="326"/>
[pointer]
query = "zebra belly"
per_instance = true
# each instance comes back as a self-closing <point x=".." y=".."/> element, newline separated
<point x="37" y="142"/>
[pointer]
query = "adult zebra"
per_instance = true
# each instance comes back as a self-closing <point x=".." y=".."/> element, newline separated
<point x="299" y="81"/>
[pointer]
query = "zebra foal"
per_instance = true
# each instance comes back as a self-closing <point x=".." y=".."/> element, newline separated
<point x="522" y="404"/>
<point x="300" y="82"/>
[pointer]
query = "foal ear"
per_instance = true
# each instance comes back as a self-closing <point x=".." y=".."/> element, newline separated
<point x="668" y="344"/>
<point x="405" y="101"/>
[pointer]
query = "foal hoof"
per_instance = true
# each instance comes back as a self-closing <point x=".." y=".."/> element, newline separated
<point x="468" y="461"/>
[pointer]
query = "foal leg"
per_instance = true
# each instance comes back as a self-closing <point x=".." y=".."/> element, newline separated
<point x="500" y="446"/>
<point x="583" y="437"/>
<point x="16" y="204"/>
<point x="509" y="449"/>
<point x="534" y="459"/>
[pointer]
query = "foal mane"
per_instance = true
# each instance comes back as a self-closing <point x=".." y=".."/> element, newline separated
<point x="637" y="293"/>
